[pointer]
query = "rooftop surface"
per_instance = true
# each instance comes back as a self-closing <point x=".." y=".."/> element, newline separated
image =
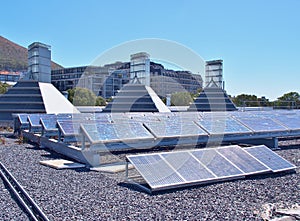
<point x="87" y="195"/>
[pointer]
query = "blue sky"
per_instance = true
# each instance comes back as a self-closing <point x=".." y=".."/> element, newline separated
<point x="258" y="39"/>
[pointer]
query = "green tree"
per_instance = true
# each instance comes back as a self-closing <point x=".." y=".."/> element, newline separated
<point x="181" y="99"/>
<point x="109" y="99"/>
<point x="3" y="87"/>
<point x="245" y="100"/>
<point x="82" y="97"/>
<point x="289" y="99"/>
<point x="100" y="101"/>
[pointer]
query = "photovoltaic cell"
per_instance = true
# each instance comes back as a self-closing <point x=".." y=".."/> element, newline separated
<point x="34" y="119"/>
<point x="168" y="128"/>
<point x="142" y="117"/>
<point x="270" y="158"/>
<point x="290" y="121"/>
<point x="216" y="163"/>
<point x="187" y="166"/>
<point x="132" y="130"/>
<point x="23" y="118"/>
<point x="116" y="131"/>
<point x="64" y="116"/>
<point x="163" y="175"/>
<point x="243" y="160"/>
<point x="175" y="169"/>
<point x="261" y="124"/>
<point x="48" y="122"/>
<point x="226" y="125"/>
<point x="68" y="127"/>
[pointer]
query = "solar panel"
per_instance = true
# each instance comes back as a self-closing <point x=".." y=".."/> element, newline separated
<point x="34" y="123"/>
<point x="290" y="121"/>
<point x="217" y="164"/>
<point x="142" y="117"/>
<point x="174" y="169"/>
<point x="168" y="128"/>
<point x="270" y="158"/>
<point x="103" y="118"/>
<point x="222" y="125"/>
<point x="116" y="132"/>
<point x="243" y="160"/>
<point x="83" y="117"/>
<point x="261" y="124"/>
<point x="187" y="166"/>
<point x="23" y="118"/>
<point x="155" y="170"/>
<point x="64" y="116"/>
<point x="20" y="123"/>
<point x="68" y="127"/>
<point x="118" y="117"/>
<point x="48" y="122"/>
<point x="34" y="119"/>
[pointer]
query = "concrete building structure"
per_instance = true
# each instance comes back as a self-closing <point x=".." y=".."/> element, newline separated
<point x="35" y="93"/>
<point x="214" y="73"/>
<point x="213" y="97"/>
<point x="39" y="62"/>
<point x="140" y="67"/>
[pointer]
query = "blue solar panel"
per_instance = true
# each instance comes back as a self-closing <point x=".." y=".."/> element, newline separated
<point x="34" y="119"/>
<point x="132" y="130"/>
<point x="142" y="117"/>
<point x="64" y="116"/>
<point x="173" y="128"/>
<point x="68" y="127"/>
<point x="102" y="132"/>
<point x="116" y="132"/>
<point x="175" y="169"/>
<point x="292" y="122"/>
<point x="187" y="166"/>
<point x="243" y="160"/>
<point x="103" y="117"/>
<point x="222" y="125"/>
<point x="23" y="118"/>
<point x="48" y="122"/>
<point x="217" y="164"/>
<point x="261" y="124"/>
<point x="270" y="158"/>
<point x="163" y="175"/>
<point x="118" y="117"/>
<point x="82" y="117"/>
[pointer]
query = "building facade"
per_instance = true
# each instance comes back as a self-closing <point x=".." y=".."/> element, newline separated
<point x="106" y="81"/>
<point x="140" y="67"/>
<point x="103" y="81"/>
<point x="164" y="81"/>
<point x="10" y="76"/>
<point x="39" y="62"/>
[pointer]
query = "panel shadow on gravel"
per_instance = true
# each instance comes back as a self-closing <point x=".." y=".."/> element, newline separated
<point x="270" y="175"/>
<point x="190" y="187"/>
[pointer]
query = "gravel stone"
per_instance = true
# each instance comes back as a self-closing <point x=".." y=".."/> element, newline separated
<point x="81" y="194"/>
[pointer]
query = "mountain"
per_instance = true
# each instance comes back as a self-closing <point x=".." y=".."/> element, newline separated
<point x="13" y="57"/>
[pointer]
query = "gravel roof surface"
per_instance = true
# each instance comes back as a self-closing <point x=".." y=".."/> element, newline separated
<point x="81" y="194"/>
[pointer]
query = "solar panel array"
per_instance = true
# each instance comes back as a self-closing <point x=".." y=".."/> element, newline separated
<point x="169" y="127"/>
<point x="175" y="169"/>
